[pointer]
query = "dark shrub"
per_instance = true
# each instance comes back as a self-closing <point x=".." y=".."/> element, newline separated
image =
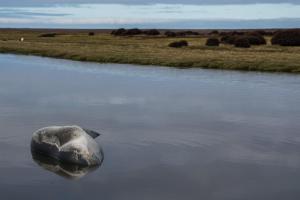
<point x="214" y="32"/>
<point x="269" y="33"/>
<point x="170" y="34"/>
<point x="255" y="38"/>
<point x="151" y="32"/>
<point x="287" y="38"/>
<point x="242" y="42"/>
<point x="228" y="39"/>
<point x="124" y="32"/>
<point x="223" y="33"/>
<point x="263" y="32"/>
<point x="91" y="33"/>
<point x="134" y="31"/>
<point x="181" y="34"/>
<point x="237" y="33"/>
<point x="190" y="33"/>
<point x="119" y="32"/>
<point x="48" y="35"/>
<point x="212" y="42"/>
<point x="259" y="32"/>
<point x="179" y="44"/>
<point x="186" y="33"/>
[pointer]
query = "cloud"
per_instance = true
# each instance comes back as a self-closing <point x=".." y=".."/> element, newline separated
<point x="17" y="14"/>
<point x="153" y="16"/>
<point x="90" y="21"/>
<point x="131" y="23"/>
<point x="137" y="2"/>
<point x="161" y="12"/>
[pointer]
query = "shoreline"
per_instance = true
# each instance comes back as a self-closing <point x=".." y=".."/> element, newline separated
<point x="104" y="48"/>
<point x="147" y="65"/>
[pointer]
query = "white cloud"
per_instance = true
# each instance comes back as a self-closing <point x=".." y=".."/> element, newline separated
<point x="119" y="14"/>
<point x="91" y="21"/>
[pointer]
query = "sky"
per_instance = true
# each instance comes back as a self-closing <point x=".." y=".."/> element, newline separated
<point x="193" y="14"/>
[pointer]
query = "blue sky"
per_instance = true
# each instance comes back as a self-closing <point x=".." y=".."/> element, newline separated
<point x="150" y="14"/>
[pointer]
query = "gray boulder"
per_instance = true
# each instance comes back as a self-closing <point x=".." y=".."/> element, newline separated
<point x="68" y="144"/>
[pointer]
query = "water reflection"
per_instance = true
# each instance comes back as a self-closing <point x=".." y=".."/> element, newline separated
<point x="169" y="134"/>
<point x="68" y="171"/>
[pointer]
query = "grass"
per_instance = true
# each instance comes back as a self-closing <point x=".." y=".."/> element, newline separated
<point x="105" y="48"/>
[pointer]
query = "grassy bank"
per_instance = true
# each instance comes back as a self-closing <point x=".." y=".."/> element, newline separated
<point x="105" y="48"/>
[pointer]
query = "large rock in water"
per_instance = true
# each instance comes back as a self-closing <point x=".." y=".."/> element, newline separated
<point x="68" y="144"/>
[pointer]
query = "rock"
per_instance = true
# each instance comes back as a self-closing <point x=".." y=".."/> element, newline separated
<point x="68" y="144"/>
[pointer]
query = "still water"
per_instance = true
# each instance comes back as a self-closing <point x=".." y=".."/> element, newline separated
<point x="167" y="134"/>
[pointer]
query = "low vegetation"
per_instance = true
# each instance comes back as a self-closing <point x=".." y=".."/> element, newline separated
<point x="170" y="34"/>
<point x="242" y="42"/>
<point x="287" y="38"/>
<point x="214" y="32"/>
<point x="151" y="32"/>
<point x="134" y="31"/>
<point x="152" y="49"/>
<point x="253" y="38"/>
<point x="181" y="33"/>
<point x="212" y="42"/>
<point x="179" y="44"/>
<point x="48" y="35"/>
<point x="91" y="33"/>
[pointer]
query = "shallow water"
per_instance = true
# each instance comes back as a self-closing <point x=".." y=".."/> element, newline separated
<point x="166" y="133"/>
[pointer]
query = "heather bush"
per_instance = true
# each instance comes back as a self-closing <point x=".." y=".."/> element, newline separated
<point x="179" y="44"/>
<point x="134" y="31"/>
<point x="170" y="34"/>
<point x="214" y="32"/>
<point x="242" y="42"/>
<point x="212" y="42"/>
<point x="119" y="32"/>
<point x="255" y="38"/>
<point x="151" y="32"/>
<point x="287" y="38"/>
<point x="48" y="35"/>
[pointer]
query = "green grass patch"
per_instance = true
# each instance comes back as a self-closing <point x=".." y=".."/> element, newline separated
<point x="104" y="48"/>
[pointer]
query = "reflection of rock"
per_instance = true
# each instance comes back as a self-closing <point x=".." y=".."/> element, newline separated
<point x="65" y="170"/>
<point x="68" y="144"/>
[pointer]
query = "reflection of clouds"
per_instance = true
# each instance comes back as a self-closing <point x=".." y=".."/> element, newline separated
<point x="90" y="100"/>
<point x="250" y="155"/>
<point x="124" y="100"/>
<point x="242" y="119"/>
<point x="233" y="149"/>
<point x="200" y="131"/>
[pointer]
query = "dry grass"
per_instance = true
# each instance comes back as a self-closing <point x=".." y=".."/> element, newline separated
<point x="151" y="51"/>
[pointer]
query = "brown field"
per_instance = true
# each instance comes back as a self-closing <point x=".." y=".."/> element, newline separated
<point x="149" y="50"/>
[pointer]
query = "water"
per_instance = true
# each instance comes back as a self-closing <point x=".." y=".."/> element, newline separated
<point x="166" y="133"/>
